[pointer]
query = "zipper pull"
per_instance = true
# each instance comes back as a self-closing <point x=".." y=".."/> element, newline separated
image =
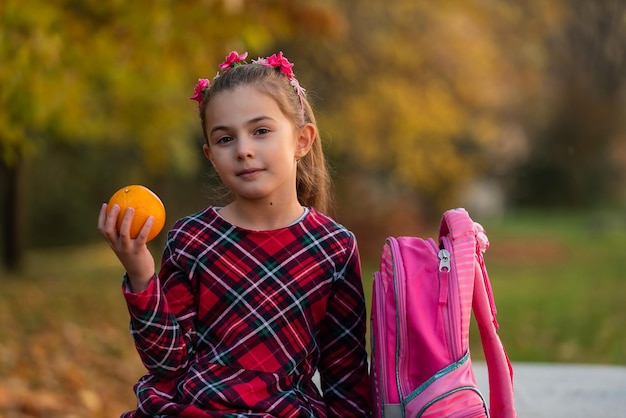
<point x="444" y="269"/>
<point x="444" y="260"/>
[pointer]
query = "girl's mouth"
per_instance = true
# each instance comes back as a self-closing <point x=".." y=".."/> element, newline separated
<point x="249" y="172"/>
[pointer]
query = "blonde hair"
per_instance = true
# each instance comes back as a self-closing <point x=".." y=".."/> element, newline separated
<point x="312" y="178"/>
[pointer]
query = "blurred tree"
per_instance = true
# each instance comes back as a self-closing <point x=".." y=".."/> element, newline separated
<point x="116" y="72"/>
<point x="414" y="100"/>
<point x="418" y="93"/>
<point x="572" y="160"/>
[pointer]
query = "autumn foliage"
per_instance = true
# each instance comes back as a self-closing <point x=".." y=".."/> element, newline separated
<point x="65" y="346"/>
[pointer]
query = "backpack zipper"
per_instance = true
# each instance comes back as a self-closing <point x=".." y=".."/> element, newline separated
<point x="444" y="270"/>
<point x="381" y="342"/>
<point x="401" y="322"/>
<point x="451" y="312"/>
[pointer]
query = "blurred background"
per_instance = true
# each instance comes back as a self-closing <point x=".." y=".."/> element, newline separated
<point x="514" y="110"/>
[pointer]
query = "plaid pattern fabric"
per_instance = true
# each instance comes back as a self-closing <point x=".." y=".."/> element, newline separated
<point x="238" y="321"/>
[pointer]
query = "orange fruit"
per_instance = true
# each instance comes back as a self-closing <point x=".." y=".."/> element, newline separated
<point x="145" y="203"/>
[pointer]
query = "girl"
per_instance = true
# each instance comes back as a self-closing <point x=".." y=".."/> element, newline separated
<point x="254" y="297"/>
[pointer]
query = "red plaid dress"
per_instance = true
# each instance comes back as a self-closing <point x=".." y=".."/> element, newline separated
<point x="238" y="321"/>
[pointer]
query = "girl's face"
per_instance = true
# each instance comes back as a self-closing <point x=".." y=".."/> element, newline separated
<point x="253" y="146"/>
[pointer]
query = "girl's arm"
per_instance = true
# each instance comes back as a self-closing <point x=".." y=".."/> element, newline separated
<point x="161" y="322"/>
<point x="162" y="309"/>
<point x="343" y="365"/>
<point x="132" y="253"/>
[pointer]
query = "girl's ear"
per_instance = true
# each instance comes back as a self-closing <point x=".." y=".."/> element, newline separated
<point x="207" y="153"/>
<point x="306" y="137"/>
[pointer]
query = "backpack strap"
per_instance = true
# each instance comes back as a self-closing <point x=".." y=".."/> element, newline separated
<point x="500" y="371"/>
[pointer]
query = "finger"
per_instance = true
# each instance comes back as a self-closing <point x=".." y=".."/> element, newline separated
<point x="111" y="220"/>
<point x="102" y="217"/>
<point x="107" y="222"/>
<point x="111" y="217"/>
<point x="126" y="223"/>
<point x="145" y="230"/>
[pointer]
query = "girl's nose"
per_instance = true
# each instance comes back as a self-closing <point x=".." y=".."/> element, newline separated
<point x="244" y="149"/>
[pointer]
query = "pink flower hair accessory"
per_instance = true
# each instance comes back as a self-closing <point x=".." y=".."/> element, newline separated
<point x="201" y="89"/>
<point x="277" y="61"/>
<point x="286" y="68"/>
<point x="235" y="59"/>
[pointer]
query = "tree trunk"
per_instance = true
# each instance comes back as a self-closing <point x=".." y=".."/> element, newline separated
<point x="12" y="214"/>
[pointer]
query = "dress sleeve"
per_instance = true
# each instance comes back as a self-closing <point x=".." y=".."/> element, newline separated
<point x="343" y="364"/>
<point x="162" y="318"/>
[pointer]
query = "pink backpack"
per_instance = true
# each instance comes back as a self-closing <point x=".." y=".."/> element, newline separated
<point x="422" y="301"/>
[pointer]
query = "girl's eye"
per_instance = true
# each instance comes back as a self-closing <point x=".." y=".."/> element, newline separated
<point x="262" y="131"/>
<point x="224" y="139"/>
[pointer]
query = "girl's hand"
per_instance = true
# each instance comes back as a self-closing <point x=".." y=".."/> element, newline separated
<point x="132" y="253"/>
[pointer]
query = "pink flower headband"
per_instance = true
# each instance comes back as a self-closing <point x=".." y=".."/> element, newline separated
<point x="235" y="59"/>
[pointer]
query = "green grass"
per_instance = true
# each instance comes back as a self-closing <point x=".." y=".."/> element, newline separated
<point x="65" y="350"/>
<point x="559" y="281"/>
